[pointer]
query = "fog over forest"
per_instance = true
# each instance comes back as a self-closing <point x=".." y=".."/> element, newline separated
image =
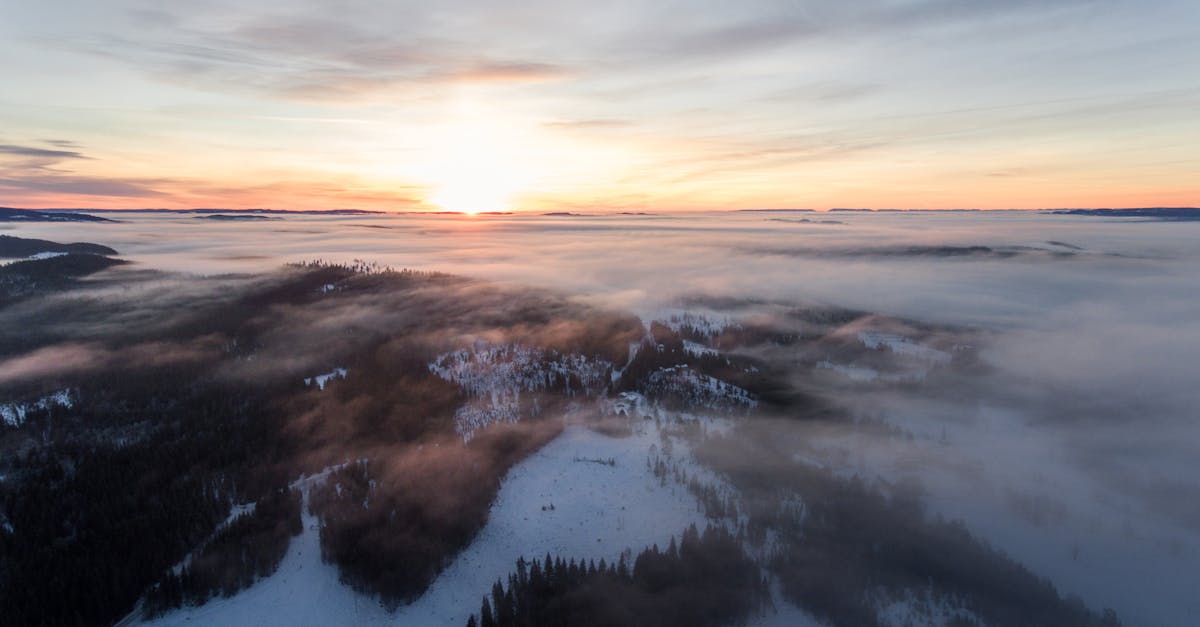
<point x="1069" y="443"/>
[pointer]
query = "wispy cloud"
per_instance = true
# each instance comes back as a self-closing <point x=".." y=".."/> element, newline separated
<point x="33" y="151"/>
<point x="33" y="172"/>
<point x="71" y="185"/>
<point x="318" y="57"/>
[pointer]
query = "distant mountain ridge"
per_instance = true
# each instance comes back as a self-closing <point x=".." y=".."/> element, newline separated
<point x="207" y="210"/>
<point x="1155" y="213"/>
<point x="11" y="214"/>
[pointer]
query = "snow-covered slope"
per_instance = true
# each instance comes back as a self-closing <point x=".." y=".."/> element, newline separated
<point x="599" y="510"/>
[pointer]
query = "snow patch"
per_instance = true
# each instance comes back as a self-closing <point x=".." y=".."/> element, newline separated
<point x="697" y="349"/>
<point x="14" y="414"/>
<point x="630" y="404"/>
<point x="903" y="346"/>
<point x="46" y="255"/>
<point x="700" y="323"/>
<point x="323" y="379"/>
<point x="921" y="609"/>
<point x="634" y="347"/>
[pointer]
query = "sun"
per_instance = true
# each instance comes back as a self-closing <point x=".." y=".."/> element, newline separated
<point x="479" y="165"/>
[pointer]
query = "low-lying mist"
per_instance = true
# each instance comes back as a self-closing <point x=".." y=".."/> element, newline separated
<point x="1070" y="443"/>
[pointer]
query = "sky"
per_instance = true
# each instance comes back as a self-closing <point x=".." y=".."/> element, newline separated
<point x="618" y="106"/>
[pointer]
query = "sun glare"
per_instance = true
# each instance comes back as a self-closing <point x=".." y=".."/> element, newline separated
<point x="479" y="166"/>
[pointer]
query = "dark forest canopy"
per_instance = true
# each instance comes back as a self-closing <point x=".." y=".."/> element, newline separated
<point x="705" y="580"/>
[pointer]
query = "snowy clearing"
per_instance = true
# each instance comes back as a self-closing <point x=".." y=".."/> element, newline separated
<point x="599" y="510"/>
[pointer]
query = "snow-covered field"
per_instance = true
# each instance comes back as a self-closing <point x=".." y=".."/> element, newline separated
<point x="558" y="500"/>
<point x="599" y="510"/>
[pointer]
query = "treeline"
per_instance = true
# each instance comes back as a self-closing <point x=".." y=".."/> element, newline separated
<point x="707" y="580"/>
<point x="249" y="548"/>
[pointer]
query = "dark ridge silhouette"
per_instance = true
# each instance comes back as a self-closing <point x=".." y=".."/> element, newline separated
<point x="239" y="217"/>
<point x="804" y="221"/>
<point x="17" y="247"/>
<point x="1006" y="252"/>
<point x="776" y="210"/>
<point x="9" y="214"/>
<point x="1174" y="214"/>
<point x="207" y="210"/>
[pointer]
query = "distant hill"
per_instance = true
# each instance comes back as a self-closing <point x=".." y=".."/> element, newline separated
<point x="1153" y="213"/>
<point x="9" y="214"/>
<point x="20" y="247"/>
<point x="203" y="211"/>
<point x="236" y="217"/>
<point x="775" y="210"/>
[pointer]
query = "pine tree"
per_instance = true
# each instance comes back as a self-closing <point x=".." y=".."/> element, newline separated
<point x="485" y="615"/>
<point x="522" y="575"/>
<point x="501" y="614"/>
